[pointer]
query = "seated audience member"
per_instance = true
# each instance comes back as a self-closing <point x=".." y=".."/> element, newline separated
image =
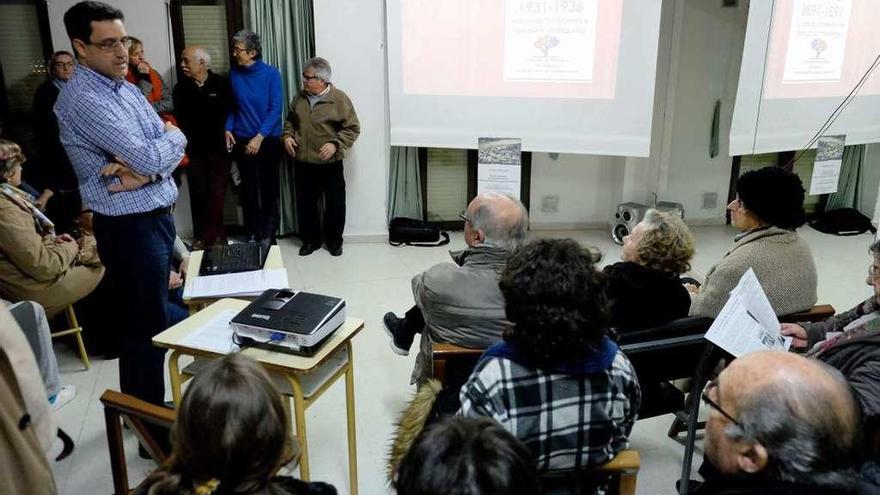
<point x="780" y="423"/>
<point x="557" y="382"/>
<point x="644" y="289"/>
<point x="850" y="342"/>
<point x="460" y="303"/>
<point x="768" y="208"/>
<point x="472" y="456"/>
<point x="60" y="197"/>
<point x="142" y="75"/>
<point x="31" y="318"/>
<point x="230" y="437"/>
<point x="35" y="264"/>
<point x="28" y="424"/>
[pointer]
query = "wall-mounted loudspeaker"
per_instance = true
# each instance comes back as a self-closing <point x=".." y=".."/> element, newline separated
<point x="629" y="214"/>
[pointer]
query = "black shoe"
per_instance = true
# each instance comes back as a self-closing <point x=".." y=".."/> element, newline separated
<point x="335" y="250"/>
<point x="307" y="249"/>
<point x="401" y="340"/>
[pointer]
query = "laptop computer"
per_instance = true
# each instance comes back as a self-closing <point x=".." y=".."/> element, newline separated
<point x="233" y="258"/>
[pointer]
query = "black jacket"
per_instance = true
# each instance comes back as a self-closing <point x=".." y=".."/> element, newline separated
<point x="56" y="172"/>
<point x="642" y="297"/>
<point x="201" y="113"/>
<point x="747" y="484"/>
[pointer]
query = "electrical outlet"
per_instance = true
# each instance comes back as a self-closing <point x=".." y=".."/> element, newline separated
<point x="710" y="200"/>
<point x="549" y="204"/>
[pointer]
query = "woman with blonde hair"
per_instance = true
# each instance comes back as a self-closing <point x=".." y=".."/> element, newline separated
<point x="230" y="437"/>
<point x="644" y="288"/>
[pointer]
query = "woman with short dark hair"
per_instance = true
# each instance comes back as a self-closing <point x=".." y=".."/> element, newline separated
<point x="253" y="130"/>
<point x="557" y="382"/>
<point x="768" y="208"/>
<point x="230" y="437"/>
<point x="466" y="455"/>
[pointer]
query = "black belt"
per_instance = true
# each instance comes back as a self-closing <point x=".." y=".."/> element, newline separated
<point x="158" y="212"/>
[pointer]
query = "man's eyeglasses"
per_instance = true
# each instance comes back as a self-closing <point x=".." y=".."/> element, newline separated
<point x="307" y="77"/>
<point x="111" y="44"/>
<point x="238" y="49"/>
<point x="464" y="217"/>
<point x="714" y="405"/>
<point x="63" y="65"/>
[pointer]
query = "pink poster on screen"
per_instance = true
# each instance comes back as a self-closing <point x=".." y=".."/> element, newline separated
<point x="821" y="48"/>
<point x="511" y="48"/>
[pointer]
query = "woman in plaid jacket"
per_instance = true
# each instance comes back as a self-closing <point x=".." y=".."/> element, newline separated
<point x="557" y="382"/>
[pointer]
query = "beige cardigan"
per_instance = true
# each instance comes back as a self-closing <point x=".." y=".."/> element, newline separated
<point x="782" y="262"/>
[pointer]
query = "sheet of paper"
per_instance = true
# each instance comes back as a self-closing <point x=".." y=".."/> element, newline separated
<point x="237" y="284"/>
<point x="747" y="322"/>
<point x="214" y="336"/>
<point x="499" y="166"/>
<point x="826" y="168"/>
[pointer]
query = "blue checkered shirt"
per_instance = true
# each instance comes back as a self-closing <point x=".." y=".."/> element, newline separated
<point x="100" y="118"/>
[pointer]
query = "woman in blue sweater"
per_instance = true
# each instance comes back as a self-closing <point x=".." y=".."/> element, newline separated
<point x="252" y="135"/>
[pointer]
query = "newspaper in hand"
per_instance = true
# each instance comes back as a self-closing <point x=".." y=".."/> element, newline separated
<point x="747" y="322"/>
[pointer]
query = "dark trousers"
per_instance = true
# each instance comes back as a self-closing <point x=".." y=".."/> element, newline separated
<point x="208" y="177"/>
<point x="260" y="183"/>
<point x="414" y="321"/>
<point x="313" y="182"/>
<point x="136" y="251"/>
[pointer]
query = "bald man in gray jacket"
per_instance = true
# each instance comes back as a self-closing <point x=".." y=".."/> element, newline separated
<point x="460" y="303"/>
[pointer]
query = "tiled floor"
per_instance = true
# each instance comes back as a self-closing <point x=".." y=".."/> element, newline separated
<point x="374" y="278"/>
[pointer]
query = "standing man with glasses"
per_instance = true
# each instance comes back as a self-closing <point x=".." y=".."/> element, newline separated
<point x="60" y="196"/>
<point x="460" y="303"/>
<point x="123" y="155"/>
<point x="780" y="423"/>
<point x="320" y="126"/>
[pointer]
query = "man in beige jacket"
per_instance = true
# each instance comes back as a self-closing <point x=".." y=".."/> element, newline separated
<point x="321" y="124"/>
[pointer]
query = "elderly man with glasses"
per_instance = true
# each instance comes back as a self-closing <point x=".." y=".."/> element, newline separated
<point x="461" y="303"/>
<point x="102" y="118"/>
<point x="780" y="423"/>
<point x="321" y="125"/>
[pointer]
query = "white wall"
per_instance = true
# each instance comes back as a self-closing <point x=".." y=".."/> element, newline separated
<point x="582" y="184"/>
<point x="350" y="34"/>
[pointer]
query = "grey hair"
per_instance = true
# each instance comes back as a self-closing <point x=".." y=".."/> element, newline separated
<point x="251" y="41"/>
<point x="508" y="233"/>
<point x="806" y="440"/>
<point x="322" y="68"/>
<point x="202" y="55"/>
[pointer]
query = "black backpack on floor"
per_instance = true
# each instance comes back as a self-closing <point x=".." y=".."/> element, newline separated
<point x="414" y="232"/>
<point x="843" y="221"/>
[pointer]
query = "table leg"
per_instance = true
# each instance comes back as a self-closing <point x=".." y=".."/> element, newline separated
<point x="174" y="375"/>
<point x="349" y="410"/>
<point x="299" y="412"/>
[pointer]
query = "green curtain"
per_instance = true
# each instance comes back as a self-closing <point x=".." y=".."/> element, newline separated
<point x="405" y="185"/>
<point x="848" y="193"/>
<point x="287" y="29"/>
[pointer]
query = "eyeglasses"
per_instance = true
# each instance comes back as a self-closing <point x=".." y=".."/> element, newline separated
<point x="736" y="204"/>
<point x="111" y="44"/>
<point x="238" y="49"/>
<point x="464" y="217"/>
<point x="63" y="65"/>
<point x="307" y="77"/>
<point x="714" y="405"/>
<point x="873" y="270"/>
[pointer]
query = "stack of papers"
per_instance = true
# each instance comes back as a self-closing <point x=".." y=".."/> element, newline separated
<point x="214" y="336"/>
<point x="747" y="322"/>
<point x="244" y="284"/>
